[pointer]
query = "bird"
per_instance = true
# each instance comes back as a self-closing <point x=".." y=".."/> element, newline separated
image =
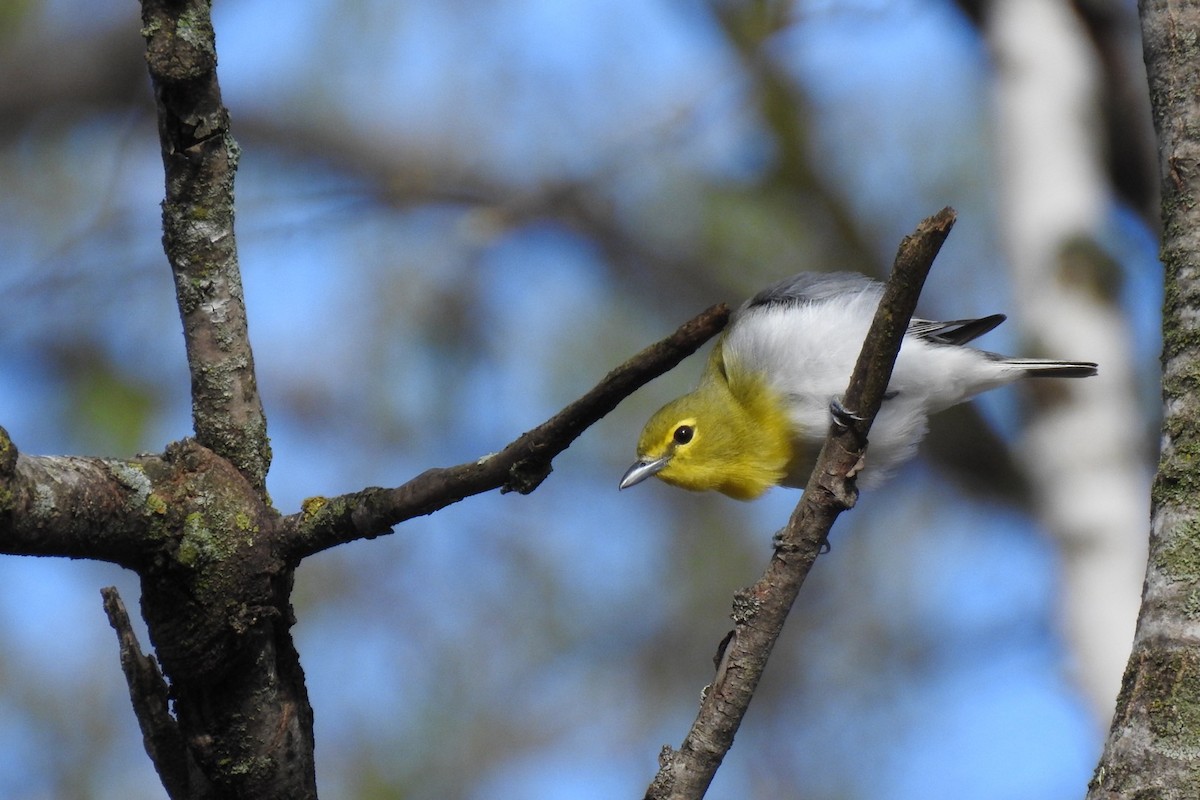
<point x="763" y="405"/>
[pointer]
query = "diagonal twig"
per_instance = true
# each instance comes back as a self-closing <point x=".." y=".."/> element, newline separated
<point x="519" y="467"/>
<point x="760" y="611"/>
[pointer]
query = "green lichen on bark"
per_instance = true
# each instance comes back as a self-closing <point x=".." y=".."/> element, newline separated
<point x="1179" y="560"/>
<point x="311" y="506"/>
<point x="213" y="571"/>
<point x="8" y="455"/>
<point x="1161" y="686"/>
<point x="1171" y="688"/>
<point x="180" y="45"/>
<point x="1181" y="335"/>
<point x="8" y="466"/>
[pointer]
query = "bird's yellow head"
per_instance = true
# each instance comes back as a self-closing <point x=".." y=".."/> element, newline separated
<point x="713" y="440"/>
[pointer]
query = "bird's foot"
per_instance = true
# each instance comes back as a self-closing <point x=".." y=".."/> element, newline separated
<point x="779" y="543"/>
<point x="842" y="416"/>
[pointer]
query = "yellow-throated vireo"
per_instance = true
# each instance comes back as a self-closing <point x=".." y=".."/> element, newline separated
<point x="762" y="409"/>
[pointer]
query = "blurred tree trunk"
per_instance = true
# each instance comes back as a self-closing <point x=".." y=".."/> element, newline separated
<point x="1151" y="748"/>
<point x="1079" y="445"/>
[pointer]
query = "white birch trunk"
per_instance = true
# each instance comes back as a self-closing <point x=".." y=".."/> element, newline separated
<point x="1082" y="444"/>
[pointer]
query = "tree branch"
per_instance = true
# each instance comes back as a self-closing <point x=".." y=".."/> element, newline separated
<point x="75" y="507"/>
<point x="521" y="466"/>
<point x="760" y="611"/>
<point x="148" y="691"/>
<point x="200" y="159"/>
<point x="1151" y="746"/>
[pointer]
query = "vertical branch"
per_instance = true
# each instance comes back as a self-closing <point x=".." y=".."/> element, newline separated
<point x="215" y="596"/>
<point x="1155" y="734"/>
<point x="759" y="612"/>
<point x="200" y="159"/>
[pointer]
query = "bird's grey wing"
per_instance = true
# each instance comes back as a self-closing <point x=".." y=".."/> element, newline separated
<point x="815" y="287"/>
<point x="810" y="287"/>
<point x="953" y="332"/>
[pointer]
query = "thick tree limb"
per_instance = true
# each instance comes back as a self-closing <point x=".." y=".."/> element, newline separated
<point x="76" y="507"/>
<point x="215" y="597"/>
<point x="148" y="691"/>
<point x="200" y="158"/>
<point x="1155" y="735"/>
<point x="760" y="611"/>
<point x="519" y="467"/>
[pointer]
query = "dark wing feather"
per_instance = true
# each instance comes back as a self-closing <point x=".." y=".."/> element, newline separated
<point x="955" y="332"/>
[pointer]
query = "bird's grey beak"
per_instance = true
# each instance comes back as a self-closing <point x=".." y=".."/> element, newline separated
<point x="642" y="469"/>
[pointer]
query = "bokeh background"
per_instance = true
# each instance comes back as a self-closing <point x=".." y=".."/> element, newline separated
<point x="454" y="217"/>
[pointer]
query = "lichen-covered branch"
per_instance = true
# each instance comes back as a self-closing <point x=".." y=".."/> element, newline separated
<point x="200" y="158"/>
<point x="1155" y="734"/>
<point x="75" y="507"/>
<point x="215" y="596"/>
<point x="760" y="611"/>
<point x="519" y="467"/>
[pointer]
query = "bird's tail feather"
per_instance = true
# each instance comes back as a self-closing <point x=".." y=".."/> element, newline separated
<point x="1047" y="368"/>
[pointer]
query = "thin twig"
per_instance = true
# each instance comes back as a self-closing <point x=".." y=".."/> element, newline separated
<point x="760" y="611"/>
<point x="519" y="467"/>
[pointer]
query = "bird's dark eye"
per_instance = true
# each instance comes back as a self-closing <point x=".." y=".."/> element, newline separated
<point x="684" y="434"/>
